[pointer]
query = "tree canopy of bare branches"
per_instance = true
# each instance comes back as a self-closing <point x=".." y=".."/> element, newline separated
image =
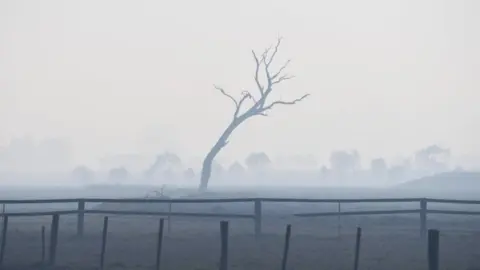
<point x="252" y="103"/>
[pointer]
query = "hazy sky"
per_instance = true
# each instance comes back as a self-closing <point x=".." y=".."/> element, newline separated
<point x="386" y="77"/>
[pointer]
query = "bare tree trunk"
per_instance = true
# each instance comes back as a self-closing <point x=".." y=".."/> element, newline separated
<point x="208" y="161"/>
<point x="207" y="168"/>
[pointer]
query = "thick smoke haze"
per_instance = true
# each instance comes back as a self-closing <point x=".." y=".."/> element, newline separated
<point x="386" y="78"/>
<point x="148" y="123"/>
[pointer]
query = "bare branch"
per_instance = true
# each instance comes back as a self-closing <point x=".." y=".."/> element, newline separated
<point x="265" y="54"/>
<point x="275" y="50"/>
<point x="245" y="95"/>
<point x="225" y="94"/>
<point x="281" y="69"/>
<point x="280" y="102"/>
<point x="257" y="69"/>
<point x="259" y="107"/>
<point x="271" y="78"/>
<point x="283" y="78"/>
<point x="238" y="104"/>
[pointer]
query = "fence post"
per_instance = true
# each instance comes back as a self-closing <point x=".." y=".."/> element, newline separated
<point x="159" y="244"/>
<point x="286" y="247"/>
<point x="169" y="218"/>
<point x="224" y="245"/>
<point x="53" y="239"/>
<point x="433" y="249"/>
<point x="339" y="221"/>
<point x="423" y="217"/>
<point x="80" y="217"/>
<point x="43" y="244"/>
<point x="357" y="248"/>
<point x="104" y="242"/>
<point x="4" y="239"/>
<point x="258" y="217"/>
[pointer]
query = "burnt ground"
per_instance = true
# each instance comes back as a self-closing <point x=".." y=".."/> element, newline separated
<point x="388" y="242"/>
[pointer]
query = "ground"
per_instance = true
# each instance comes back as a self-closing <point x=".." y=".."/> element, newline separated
<point x="388" y="242"/>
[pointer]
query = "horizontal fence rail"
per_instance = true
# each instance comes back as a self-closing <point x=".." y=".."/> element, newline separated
<point x="257" y="209"/>
<point x="454" y="212"/>
<point x="120" y="212"/>
<point x="225" y="200"/>
<point x="235" y="200"/>
<point x="451" y="201"/>
<point x="180" y="214"/>
<point x="358" y="213"/>
<point x="301" y="200"/>
<point x="39" y="213"/>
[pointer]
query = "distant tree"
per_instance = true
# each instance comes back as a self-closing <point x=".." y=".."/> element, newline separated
<point x="236" y="169"/>
<point x="83" y="174"/>
<point x="189" y="174"/>
<point x="378" y="164"/>
<point x="163" y="163"/>
<point x="344" y="165"/>
<point x="324" y="172"/>
<point x="173" y="159"/>
<point x="259" y="105"/>
<point x="432" y="159"/>
<point x="118" y="174"/>
<point x="379" y="168"/>
<point x="217" y="169"/>
<point x="132" y="162"/>
<point x="258" y="161"/>
<point x="343" y="161"/>
<point x="168" y="174"/>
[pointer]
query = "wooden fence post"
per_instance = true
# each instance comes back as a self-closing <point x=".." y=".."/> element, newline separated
<point x="357" y="248"/>
<point x="339" y="221"/>
<point x="433" y="249"/>
<point x="4" y="239"/>
<point x="53" y="239"/>
<point x="43" y="244"/>
<point x="169" y="218"/>
<point x="258" y="217"/>
<point x="224" y="245"/>
<point x="80" y="217"/>
<point x="423" y="217"/>
<point x="3" y="209"/>
<point x="286" y="247"/>
<point x="159" y="244"/>
<point x="104" y="242"/>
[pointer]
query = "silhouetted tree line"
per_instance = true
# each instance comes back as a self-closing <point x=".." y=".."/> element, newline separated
<point x="344" y="166"/>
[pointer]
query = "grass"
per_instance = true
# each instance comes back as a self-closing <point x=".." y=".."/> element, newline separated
<point x="389" y="242"/>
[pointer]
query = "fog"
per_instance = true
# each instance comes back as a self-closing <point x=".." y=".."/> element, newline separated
<point x="114" y="84"/>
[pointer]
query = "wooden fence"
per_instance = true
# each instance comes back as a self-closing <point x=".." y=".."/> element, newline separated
<point x="256" y="216"/>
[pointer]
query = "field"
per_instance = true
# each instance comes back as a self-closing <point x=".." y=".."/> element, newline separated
<point x="388" y="241"/>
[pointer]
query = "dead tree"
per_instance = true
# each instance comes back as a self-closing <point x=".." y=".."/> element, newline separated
<point x="259" y="103"/>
